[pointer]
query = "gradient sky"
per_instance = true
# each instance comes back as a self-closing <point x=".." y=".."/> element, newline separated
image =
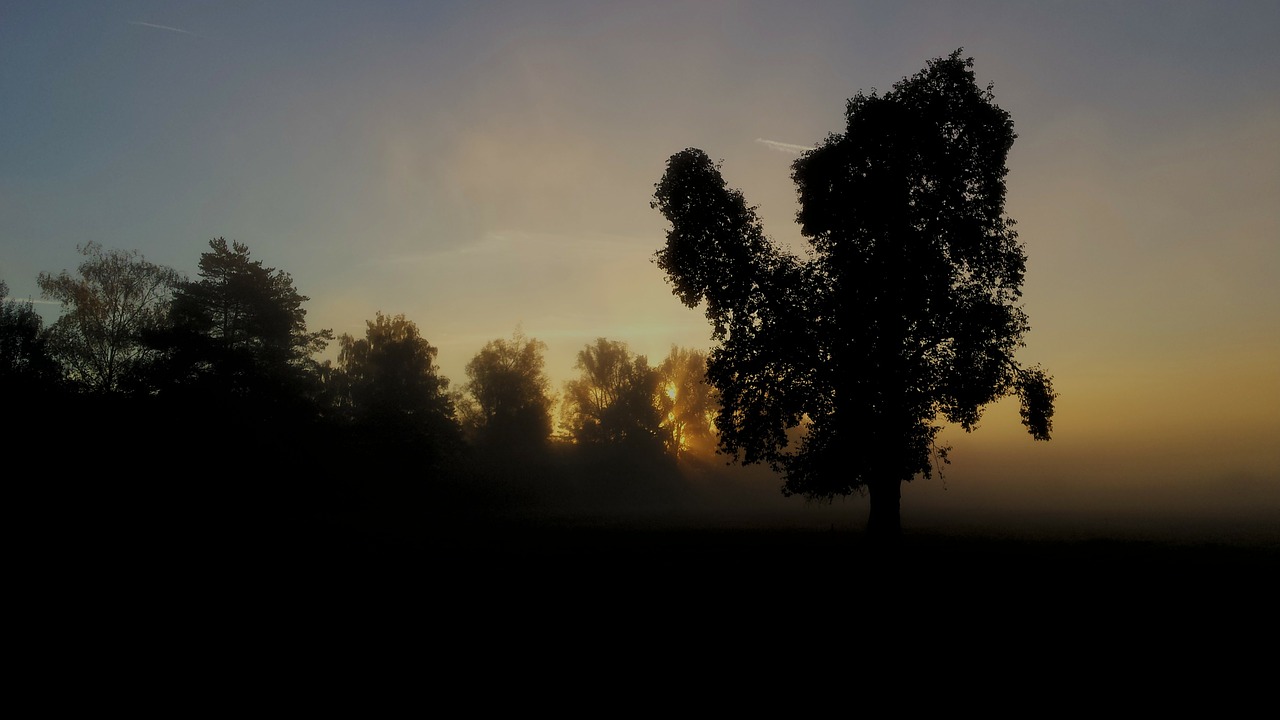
<point x="483" y="166"/>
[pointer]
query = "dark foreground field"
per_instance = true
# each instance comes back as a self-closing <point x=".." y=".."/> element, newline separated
<point x="479" y="576"/>
<point x="632" y="600"/>
<point x="614" y="591"/>
<point x="673" y="555"/>
<point x="662" y="566"/>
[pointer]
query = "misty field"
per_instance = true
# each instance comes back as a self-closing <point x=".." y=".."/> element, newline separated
<point x="724" y="540"/>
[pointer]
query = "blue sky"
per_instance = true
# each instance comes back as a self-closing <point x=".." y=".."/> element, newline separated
<point x="483" y="166"/>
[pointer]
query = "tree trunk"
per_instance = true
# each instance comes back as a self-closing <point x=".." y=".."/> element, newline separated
<point x="885" y="521"/>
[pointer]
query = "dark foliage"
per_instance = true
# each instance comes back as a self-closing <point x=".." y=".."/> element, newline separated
<point x="905" y="312"/>
<point x="506" y="402"/>
<point x="110" y="305"/>
<point x="387" y="390"/>
<point x="30" y="379"/>
<point x="614" y="399"/>
<point x="238" y="334"/>
<point x="24" y="353"/>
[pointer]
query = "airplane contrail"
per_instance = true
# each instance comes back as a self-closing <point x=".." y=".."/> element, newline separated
<point x="162" y="27"/>
<point x="784" y="147"/>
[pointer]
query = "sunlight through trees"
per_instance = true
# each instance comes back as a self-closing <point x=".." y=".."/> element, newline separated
<point x="615" y="397"/>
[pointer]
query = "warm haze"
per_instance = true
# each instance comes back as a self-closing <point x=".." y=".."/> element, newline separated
<point x="480" y="167"/>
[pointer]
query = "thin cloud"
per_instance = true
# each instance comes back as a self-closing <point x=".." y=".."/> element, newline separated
<point x="162" y="27"/>
<point x="519" y="246"/>
<point x="784" y="147"/>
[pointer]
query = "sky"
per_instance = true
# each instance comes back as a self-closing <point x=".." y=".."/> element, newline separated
<point x="483" y="167"/>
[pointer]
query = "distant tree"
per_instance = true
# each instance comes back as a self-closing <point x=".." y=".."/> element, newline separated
<point x="241" y="329"/>
<point x="29" y="384"/>
<point x="687" y="402"/>
<point x="615" y="397"/>
<point x="115" y="298"/>
<point x="907" y="309"/>
<point x="507" y="401"/>
<point x="388" y="383"/>
<point x="25" y="364"/>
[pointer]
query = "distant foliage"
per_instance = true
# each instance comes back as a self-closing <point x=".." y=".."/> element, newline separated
<point x="687" y="403"/>
<point x="25" y="363"/>
<point x="506" y="401"/>
<point x="388" y="386"/>
<point x="113" y="301"/>
<point x="238" y="335"/>
<point x="243" y="307"/>
<point x="615" y="397"/>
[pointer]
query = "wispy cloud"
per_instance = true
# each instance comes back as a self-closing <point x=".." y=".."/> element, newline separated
<point x="784" y="147"/>
<point x="139" y="23"/>
<point x="517" y="246"/>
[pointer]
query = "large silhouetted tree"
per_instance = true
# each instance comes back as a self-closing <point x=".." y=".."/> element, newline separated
<point x="507" y="401"/>
<point x="614" y="399"/>
<point x="115" y="298"/>
<point x="906" y="311"/>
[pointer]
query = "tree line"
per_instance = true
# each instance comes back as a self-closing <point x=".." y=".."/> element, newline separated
<point x="233" y="344"/>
